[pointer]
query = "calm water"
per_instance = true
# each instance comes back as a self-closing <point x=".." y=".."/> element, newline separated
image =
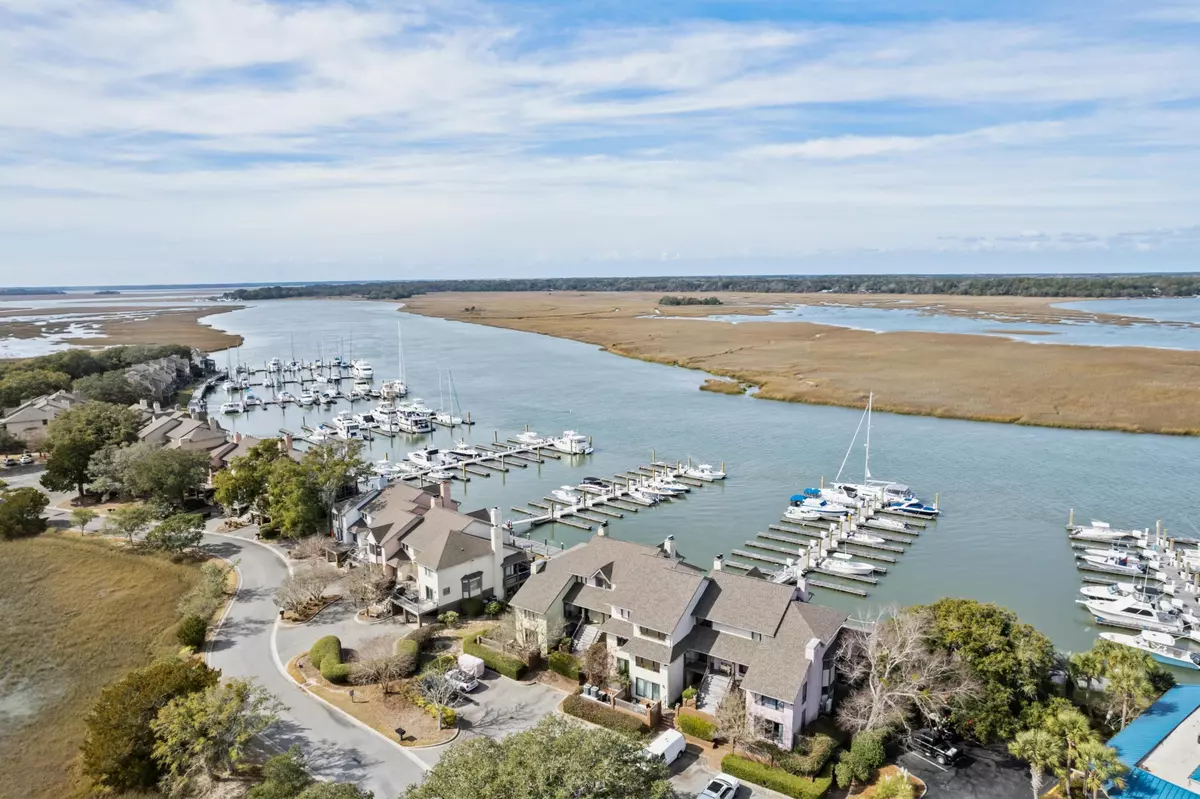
<point x="888" y="320"/>
<point x="1006" y="490"/>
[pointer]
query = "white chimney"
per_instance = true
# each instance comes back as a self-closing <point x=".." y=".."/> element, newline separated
<point x="498" y="536"/>
<point x="669" y="546"/>
<point x="537" y="567"/>
<point x="719" y="563"/>
<point x="157" y="407"/>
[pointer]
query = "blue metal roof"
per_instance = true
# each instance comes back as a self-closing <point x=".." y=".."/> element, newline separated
<point x="1146" y="732"/>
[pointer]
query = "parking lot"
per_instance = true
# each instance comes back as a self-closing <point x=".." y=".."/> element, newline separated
<point x="983" y="773"/>
<point x="500" y="706"/>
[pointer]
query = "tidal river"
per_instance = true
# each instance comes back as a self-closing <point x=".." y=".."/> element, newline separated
<point x="1006" y="491"/>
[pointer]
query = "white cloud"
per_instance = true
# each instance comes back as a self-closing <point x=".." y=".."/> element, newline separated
<point x="365" y="133"/>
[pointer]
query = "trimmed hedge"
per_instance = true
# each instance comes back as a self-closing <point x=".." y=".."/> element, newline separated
<point x="472" y="607"/>
<point x="605" y="716"/>
<point x="496" y="661"/>
<point x="564" y="663"/>
<point x="809" y="755"/>
<point x="422" y="634"/>
<point x="326" y="655"/>
<point x="696" y="727"/>
<point x="191" y="631"/>
<point x="777" y="779"/>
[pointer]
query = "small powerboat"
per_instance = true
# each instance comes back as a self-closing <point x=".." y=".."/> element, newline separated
<point x="1162" y="647"/>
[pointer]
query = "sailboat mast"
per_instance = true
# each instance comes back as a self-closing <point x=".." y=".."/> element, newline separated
<point x="867" y="459"/>
<point x="850" y="448"/>
<point x="400" y="348"/>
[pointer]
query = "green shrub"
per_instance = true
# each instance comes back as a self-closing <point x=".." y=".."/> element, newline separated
<point x="335" y="672"/>
<point x="409" y="652"/>
<point x="809" y="755"/>
<point x="605" y="716"/>
<point x="689" y="693"/>
<point x="329" y="646"/>
<point x="494" y="608"/>
<point x="191" y="631"/>
<point x="449" y="714"/>
<point x="564" y="663"/>
<point x="776" y="779"/>
<point x="472" y="607"/>
<point x="866" y="754"/>
<point x="496" y="661"/>
<point x="422" y="634"/>
<point x="450" y="618"/>
<point x="696" y="727"/>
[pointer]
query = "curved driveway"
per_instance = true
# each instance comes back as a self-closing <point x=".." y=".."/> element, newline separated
<point x="335" y="747"/>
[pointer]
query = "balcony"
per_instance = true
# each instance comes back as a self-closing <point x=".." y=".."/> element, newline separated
<point x="408" y="597"/>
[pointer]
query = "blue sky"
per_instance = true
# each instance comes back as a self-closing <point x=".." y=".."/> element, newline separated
<point x="209" y="140"/>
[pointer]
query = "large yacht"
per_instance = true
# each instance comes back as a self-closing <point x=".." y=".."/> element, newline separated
<point x="346" y="426"/>
<point x="1130" y="611"/>
<point x="362" y="368"/>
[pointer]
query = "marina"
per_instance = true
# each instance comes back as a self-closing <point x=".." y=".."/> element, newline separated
<point x="981" y="547"/>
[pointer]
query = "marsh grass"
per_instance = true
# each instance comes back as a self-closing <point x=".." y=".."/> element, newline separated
<point x="77" y="615"/>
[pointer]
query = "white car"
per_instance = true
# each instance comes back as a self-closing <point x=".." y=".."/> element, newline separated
<point x="721" y="786"/>
<point x="462" y="681"/>
<point x="26" y="459"/>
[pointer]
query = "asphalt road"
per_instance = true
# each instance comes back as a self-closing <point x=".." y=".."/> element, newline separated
<point x="983" y="773"/>
<point x="335" y="747"/>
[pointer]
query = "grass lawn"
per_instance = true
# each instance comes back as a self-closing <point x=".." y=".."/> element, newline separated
<point x="77" y="615"/>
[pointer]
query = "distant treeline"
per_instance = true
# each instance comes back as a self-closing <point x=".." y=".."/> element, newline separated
<point x="16" y="291"/>
<point x="1011" y="285"/>
<point x="676" y="300"/>
<point x="96" y="374"/>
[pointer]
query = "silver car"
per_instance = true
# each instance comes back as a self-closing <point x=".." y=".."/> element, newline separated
<point x="721" y="786"/>
<point x="463" y="682"/>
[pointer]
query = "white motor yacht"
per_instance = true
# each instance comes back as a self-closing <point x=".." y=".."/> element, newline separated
<point x="274" y="365"/>
<point x="842" y="562"/>
<point x="447" y="418"/>
<point x="284" y="397"/>
<point x="1101" y="531"/>
<point x="1132" y="612"/>
<point x="638" y="494"/>
<point x="414" y="422"/>
<point x="465" y="451"/>
<point x="882" y="523"/>
<point x="801" y="514"/>
<point x="361" y="386"/>
<point x="670" y="483"/>
<point x="1115" y="564"/>
<point x="441" y="475"/>
<point x="326" y="397"/>
<point x="705" y="472"/>
<point x="306" y="397"/>
<point x="530" y="439"/>
<point x="320" y="434"/>
<point x="346" y="426"/>
<point x="430" y="458"/>
<point x="393" y="389"/>
<point x="567" y="494"/>
<point x="1162" y="647"/>
<point x="362" y="368"/>
<point x="825" y="509"/>
<point x="233" y="406"/>
<point x="572" y="443"/>
<point x="859" y="537"/>
<point x="252" y="401"/>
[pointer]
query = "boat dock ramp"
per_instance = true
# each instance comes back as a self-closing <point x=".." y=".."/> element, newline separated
<point x="872" y="537"/>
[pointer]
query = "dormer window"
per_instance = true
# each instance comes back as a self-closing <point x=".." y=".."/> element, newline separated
<point x="621" y="613"/>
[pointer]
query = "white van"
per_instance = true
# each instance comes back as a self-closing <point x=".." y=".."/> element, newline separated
<point x="667" y="746"/>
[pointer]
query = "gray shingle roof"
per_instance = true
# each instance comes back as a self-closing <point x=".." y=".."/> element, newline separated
<point x="779" y="665"/>
<point x="640" y="647"/>
<point x="744" y="602"/>
<point x="655" y="589"/>
<point x="440" y="541"/>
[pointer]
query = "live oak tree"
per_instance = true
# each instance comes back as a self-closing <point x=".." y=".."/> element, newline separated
<point x="78" y="434"/>
<point x="177" y="533"/>
<point x="129" y="520"/>
<point x="118" y="748"/>
<point x="206" y="733"/>
<point x="81" y="517"/>
<point x="557" y="759"/>
<point x="244" y="483"/>
<point x="21" y="512"/>
<point x="293" y="500"/>
<point x="167" y="476"/>
<point x="332" y="467"/>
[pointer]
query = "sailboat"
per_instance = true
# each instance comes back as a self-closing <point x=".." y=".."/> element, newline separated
<point x="896" y="497"/>
<point x="395" y="389"/>
<point x="446" y="416"/>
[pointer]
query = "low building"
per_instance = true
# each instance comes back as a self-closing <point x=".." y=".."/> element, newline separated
<point x="29" y="420"/>
<point x="1161" y="748"/>
<point x="180" y="430"/>
<point x="671" y="626"/>
<point x="160" y="378"/>
<point x="438" y="555"/>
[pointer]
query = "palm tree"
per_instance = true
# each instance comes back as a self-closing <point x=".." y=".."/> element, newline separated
<point x="1100" y="766"/>
<point x="1085" y="666"/>
<point x="1129" y="690"/>
<point x="1041" y="750"/>
<point x="1072" y="728"/>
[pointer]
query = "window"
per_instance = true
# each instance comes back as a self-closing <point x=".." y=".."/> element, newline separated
<point x="472" y="584"/>
<point x="655" y="634"/>
<point x="755" y="636"/>
<point x="621" y="613"/>
<point x="769" y="703"/>
<point x="429" y="594"/>
<point x="648" y="665"/>
<point x="804" y="693"/>
<point x="644" y="689"/>
<point x="446" y="591"/>
<point x="426" y="571"/>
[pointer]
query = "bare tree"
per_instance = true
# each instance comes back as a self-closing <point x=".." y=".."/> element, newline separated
<point x="378" y="664"/>
<point x="896" y="673"/>
<point x="598" y="664"/>
<point x="317" y="580"/>
<point x="312" y="546"/>
<point x="435" y="688"/>
<point x="368" y="584"/>
<point x="291" y="595"/>
<point x="733" y="726"/>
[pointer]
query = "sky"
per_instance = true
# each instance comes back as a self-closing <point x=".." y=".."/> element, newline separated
<point x="251" y="140"/>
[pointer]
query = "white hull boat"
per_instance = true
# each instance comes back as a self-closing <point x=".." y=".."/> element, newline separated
<point x="705" y="472"/>
<point x="801" y="514"/>
<point x="465" y="451"/>
<point x="362" y="369"/>
<point x="1131" y="612"/>
<point x="860" y="537"/>
<point x="232" y="407"/>
<point x="1114" y="565"/>
<point x="567" y="494"/>
<point x="285" y="397"/>
<point x="430" y="458"/>
<point x="819" y="506"/>
<point x="571" y="443"/>
<point x="446" y="418"/>
<point x="1162" y="647"/>
<point x="880" y="523"/>
<point x="306" y="398"/>
<point x="393" y="389"/>
<point x="1102" y="531"/>
<point x="643" y="496"/>
<point x="530" y="439"/>
<point x="841" y="562"/>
